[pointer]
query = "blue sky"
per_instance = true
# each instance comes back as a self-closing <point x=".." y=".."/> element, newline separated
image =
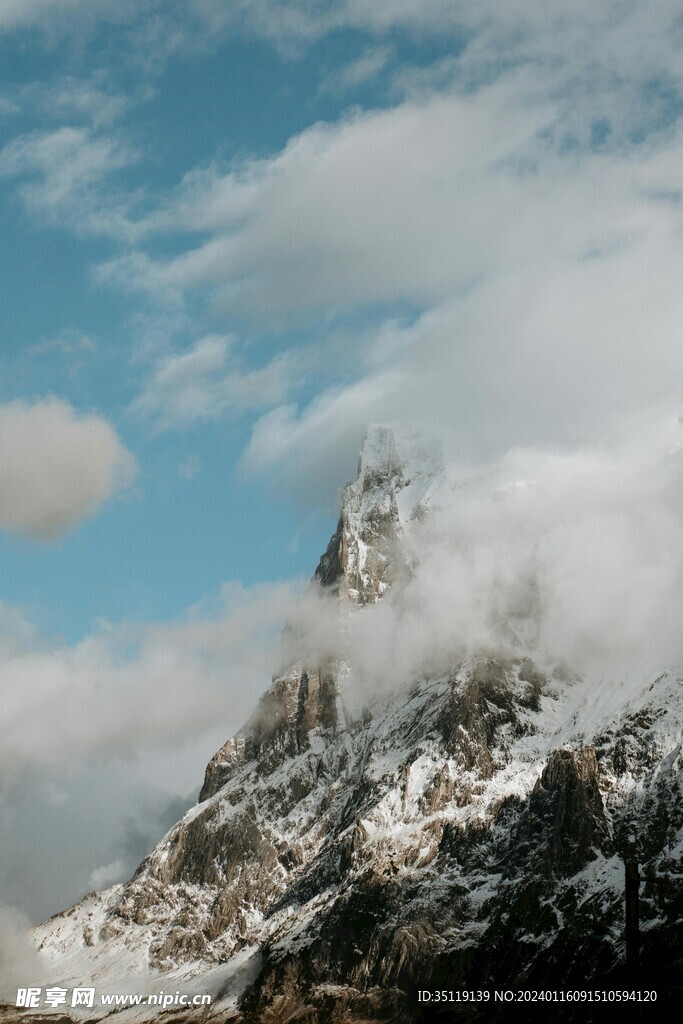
<point x="235" y="234"/>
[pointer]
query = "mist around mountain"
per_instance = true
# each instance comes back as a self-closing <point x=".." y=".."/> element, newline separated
<point x="475" y="724"/>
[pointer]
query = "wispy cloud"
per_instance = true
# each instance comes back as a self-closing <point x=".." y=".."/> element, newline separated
<point x="66" y="179"/>
<point x="107" y="874"/>
<point x="40" y="14"/>
<point x="94" y="100"/>
<point x="360" y="71"/>
<point x="68" y="342"/>
<point x="8" y="107"/>
<point x="190" y="467"/>
<point x="208" y="381"/>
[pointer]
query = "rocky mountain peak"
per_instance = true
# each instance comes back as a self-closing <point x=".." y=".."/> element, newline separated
<point x="381" y="462"/>
<point x="368" y="552"/>
<point x="463" y="833"/>
<point x="371" y="547"/>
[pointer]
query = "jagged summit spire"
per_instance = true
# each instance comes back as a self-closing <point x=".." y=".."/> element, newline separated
<point x="380" y="451"/>
<point x="394" y="450"/>
<point x="370" y="549"/>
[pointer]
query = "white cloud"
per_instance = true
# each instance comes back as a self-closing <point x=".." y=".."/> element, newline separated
<point x="20" y="964"/>
<point x="277" y="20"/>
<point x="16" y="632"/>
<point x="130" y="689"/>
<point x="208" y="381"/>
<point x="585" y="48"/>
<point x="56" y="467"/>
<point x="556" y="352"/>
<point x="407" y="205"/>
<point x="18" y="14"/>
<point x="107" y="874"/>
<point x="190" y="467"/>
<point x="68" y="342"/>
<point x="93" y="100"/>
<point x="399" y="205"/>
<point x="304" y="21"/>
<point x="8" y="107"/>
<point x="571" y="40"/>
<point x="59" y="830"/>
<point x="67" y="171"/>
<point x="360" y="71"/>
<point x="550" y="281"/>
<point x="576" y="556"/>
<point x="121" y="724"/>
<point x="312" y="452"/>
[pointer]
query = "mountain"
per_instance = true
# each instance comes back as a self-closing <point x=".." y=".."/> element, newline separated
<point x="465" y="831"/>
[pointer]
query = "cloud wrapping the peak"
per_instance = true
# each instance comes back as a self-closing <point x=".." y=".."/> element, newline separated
<point x="56" y="467"/>
<point x="575" y="558"/>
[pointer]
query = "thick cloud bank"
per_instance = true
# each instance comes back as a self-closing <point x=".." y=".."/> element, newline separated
<point x="56" y="467"/>
<point x="576" y="557"/>
<point x="129" y="689"/>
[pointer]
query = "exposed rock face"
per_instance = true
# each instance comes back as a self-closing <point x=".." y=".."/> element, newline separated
<point x="465" y="831"/>
<point x="566" y="816"/>
<point x="369" y="550"/>
<point x="294" y="705"/>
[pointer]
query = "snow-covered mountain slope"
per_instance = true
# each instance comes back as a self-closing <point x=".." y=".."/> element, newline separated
<point x="460" y="831"/>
